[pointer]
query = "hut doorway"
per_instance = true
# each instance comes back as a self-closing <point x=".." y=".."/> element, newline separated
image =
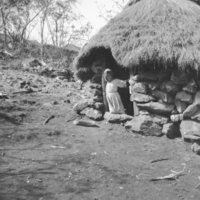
<point x="104" y="59"/>
<point x="121" y="73"/>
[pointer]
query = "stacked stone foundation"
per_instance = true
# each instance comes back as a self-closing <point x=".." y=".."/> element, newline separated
<point x="171" y="96"/>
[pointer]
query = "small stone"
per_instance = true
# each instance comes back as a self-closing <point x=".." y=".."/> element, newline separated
<point x="196" y="147"/>
<point x="169" y="87"/>
<point x="95" y="86"/>
<point x="190" y="110"/>
<point x="171" y="130"/>
<point x="176" y="118"/>
<point x="95" y="92"/>
<point x="190" y="87"/>
<point x="117" y="118"/>
<point x="98" y="105"/>
<point x="179" y="78"/>
<point x="139" y="88"/>
<point x="165" y="97"/>
<point x="157" y="107"/>
<point x="144" y="112"/>
<point x="94" y="114"/>
<point x="153" y="85"/>
<point x="82" y="105"/>
<point x="184" y="97"/>
<point x="98" y="98"/>
<point x="180" y="106"/>
<point x="141" y="98"/>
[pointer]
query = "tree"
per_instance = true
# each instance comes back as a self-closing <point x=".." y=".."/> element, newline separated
<point x="109" y="11"/>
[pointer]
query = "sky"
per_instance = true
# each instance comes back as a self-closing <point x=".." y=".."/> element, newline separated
<point x="90" y="9"/>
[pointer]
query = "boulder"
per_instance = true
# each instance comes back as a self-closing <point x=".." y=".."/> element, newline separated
<point x="190" y="110"/>
<point x="179" y="78"/>
<point x="196" y="147"/>
<point x="94" y="114"/>
<point x="139" y="88"/>
<point x="171" y="130"/>
<point x="165" y="97"/>
<point x="117" y="118"/>
<point x="146" y="76"/>
<point x="169" y="87"/>
<point x="81" y="105"/>
<point x="180" y="106"/>
<point x="157" y="107"/>
<point x="164" y="75"/>
<point x="184" y="97"/>
<point x="144" y="124"/>
<point x="189" y="127"/>
<point x="197" y="98"/>
<point x="141" y="98"/>
<point x="190" y="87"/>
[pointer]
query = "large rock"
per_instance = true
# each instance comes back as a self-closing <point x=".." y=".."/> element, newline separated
<point x="180" y="106"/>
<point x="197" y="98"/>
<point x="190" y="110"/>
<point x="165" y="97"/>
<point x="117" y="118"/>
<point x="81" y="105"/>
<point x="171" y="130"/>
<point x="157" y="107"/>
<point x="189" y="127"/>
<point x="145" y="124"/>
<point x="196" y="147"/>
<point x="190" y="87"/>
<point x="139" y="88"/>
<point x="94" y="114"/>
<point x="141" y="98"/>
<point x="146" y="76"/>
<point x="184" y="97"/>
<point x="179" y="78"/>
<point x="169" y="87"/>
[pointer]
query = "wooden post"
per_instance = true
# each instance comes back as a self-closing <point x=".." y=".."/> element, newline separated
<point x="103" y="82"/>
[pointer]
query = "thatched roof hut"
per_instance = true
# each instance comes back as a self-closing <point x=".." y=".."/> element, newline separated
<point x="153" y="33"/>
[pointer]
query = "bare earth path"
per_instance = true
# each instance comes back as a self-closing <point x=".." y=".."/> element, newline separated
<point x="61" y="161"/>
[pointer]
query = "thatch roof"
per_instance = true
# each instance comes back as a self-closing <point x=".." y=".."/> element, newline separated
<point x="157" y="33"/>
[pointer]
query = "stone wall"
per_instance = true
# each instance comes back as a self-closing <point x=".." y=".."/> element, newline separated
<point x="170" y="95"/>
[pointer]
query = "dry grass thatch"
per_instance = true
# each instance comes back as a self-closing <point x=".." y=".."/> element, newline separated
<point x="157" y="33"/>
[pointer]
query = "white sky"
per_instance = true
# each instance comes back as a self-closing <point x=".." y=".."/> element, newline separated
<point x="91" y="12"/>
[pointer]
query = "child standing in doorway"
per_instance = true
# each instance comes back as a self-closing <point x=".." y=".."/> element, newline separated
<point x="114" y="101"/>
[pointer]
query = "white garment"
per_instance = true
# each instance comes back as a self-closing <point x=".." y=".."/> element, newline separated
<point x="113" y="98"/>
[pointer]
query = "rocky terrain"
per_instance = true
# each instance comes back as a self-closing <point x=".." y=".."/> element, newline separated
<point x="45" y="156"/>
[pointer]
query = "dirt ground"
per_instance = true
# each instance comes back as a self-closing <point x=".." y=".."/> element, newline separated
<point x="61" y="161"/>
